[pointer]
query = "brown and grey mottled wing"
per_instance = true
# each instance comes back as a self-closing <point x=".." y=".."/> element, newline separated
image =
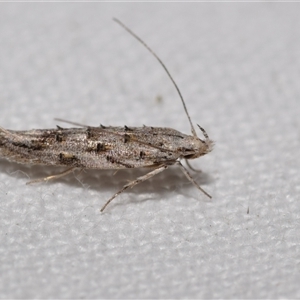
<point x="92" y="147"/>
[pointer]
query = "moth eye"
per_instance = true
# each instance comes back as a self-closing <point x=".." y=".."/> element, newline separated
<point x="182" y="149"/>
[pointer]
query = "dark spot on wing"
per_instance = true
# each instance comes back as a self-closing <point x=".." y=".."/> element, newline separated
<point x="126" y="138"/>
<point x="59" y="137"/>
<point x="101" y="147"/>
<point x="69" y="159"/>
<point x="112" y="160"/>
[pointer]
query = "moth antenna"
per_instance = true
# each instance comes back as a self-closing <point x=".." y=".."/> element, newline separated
<point x="165" y="68"/>
<point x="203" y="131"/>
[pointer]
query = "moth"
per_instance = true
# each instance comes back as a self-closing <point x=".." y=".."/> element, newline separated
<point x="108" y="147"/>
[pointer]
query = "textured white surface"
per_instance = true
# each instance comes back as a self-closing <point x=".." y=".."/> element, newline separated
<point x="238" y="67"/>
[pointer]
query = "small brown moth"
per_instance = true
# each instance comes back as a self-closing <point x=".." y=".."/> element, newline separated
<point x="107" y="147"/>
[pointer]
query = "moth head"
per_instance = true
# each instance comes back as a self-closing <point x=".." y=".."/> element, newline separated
<point x="201" y="146"/>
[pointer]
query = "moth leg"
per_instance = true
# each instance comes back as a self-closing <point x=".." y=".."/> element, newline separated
<point x="135" y="182"/>
<point x="55" y="176"/>
<point x="192" y="168"/>
<point x="191" y="179"/>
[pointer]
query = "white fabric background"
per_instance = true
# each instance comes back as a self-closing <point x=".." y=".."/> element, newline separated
<point x="238" y="67"/>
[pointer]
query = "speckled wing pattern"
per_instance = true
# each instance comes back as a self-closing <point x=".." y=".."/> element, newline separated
<point x="95" y="147"/>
